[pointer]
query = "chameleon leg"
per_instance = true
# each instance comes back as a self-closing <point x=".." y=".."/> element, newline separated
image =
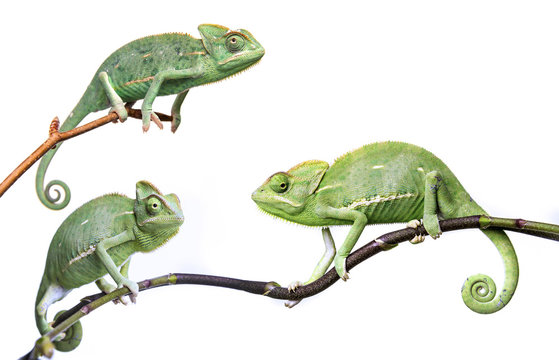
<point x="359" y="222"/>
<point x="433" y="185"/>
<point x="124" y="272"/>
<point x="117" y="105"/>
<point x="52" y="294"/>
<point x="327" y="257"/>
<point x="321" y="267"/>
<point x="176" y="110"/>
<point x="101" y="252"/>
<point x="159" y="78"/>
<point x="124" y="268"/>
<point x="107" y="287"/>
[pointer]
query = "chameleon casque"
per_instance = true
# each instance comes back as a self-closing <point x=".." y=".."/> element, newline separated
<point x="386" y="182"/>
<point x="95" y="240"/>
<point x="154" y="66"/>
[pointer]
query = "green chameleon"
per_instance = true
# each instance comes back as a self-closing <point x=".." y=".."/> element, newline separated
<point x="155" y="65"/>
<point x="385" y="182"/>
<point x="96" y="239"/>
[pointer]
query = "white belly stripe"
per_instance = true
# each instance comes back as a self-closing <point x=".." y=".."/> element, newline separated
<point x="376" y="199"/>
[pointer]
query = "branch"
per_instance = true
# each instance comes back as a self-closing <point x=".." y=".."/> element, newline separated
<point x="56" y="137"/>
<point x="43" y="346"/>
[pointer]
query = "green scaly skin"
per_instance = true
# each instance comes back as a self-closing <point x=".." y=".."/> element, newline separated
<point x="155" y="66"/>
<point x="387" y="182"/>
<point x="96" y="239"/>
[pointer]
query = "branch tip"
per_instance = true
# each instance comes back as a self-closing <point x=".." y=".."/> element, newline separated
<point x="54" y="125"/>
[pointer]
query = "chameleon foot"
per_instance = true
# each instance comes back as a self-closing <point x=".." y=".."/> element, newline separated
<point x="132" y="286"/>
<point x="108" y="288"/>
<point x="339" y="262"/>
<point x="431" y="224"/>
<point x="148" y="116"/>
<point x="294" y="285"/>
<point x="175" y="122"/>
<point x="120" y="110"/>
<point x="291" y="288"/>
<point x="413" y="224"/>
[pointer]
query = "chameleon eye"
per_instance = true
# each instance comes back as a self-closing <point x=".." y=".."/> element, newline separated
<point x="279" y="183"/>
<point x="153" y="205"/>
<point x="235" y="43"/>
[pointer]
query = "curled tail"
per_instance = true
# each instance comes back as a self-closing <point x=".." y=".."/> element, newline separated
<point x="46" y="296"/>
<point x="479" y="291"/>
<point x="44" y="191"/>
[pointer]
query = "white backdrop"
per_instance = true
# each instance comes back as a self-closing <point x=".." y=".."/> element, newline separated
<point x="476" y="82"/>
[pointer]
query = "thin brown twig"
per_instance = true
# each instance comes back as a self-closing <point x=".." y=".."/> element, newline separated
<point x="274" y="290"/>
<point x="56" y="137"/>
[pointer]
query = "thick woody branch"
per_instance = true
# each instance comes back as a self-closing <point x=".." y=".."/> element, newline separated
<point x="274" y="290"/>
<point x="56" y="137"/>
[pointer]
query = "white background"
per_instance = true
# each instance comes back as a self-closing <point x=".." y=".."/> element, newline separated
<point x="475" y="82"/>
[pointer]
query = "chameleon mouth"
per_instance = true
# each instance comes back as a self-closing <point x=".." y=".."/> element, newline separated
<point x="252" y="56"/>
<point x="167" y="219"/>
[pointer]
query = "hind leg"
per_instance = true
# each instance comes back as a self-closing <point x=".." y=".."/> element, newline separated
<point x="53" y="294"/>
<point x="176" y="110"/>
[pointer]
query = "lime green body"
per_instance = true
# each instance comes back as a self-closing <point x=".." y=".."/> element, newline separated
<point x="386" y="182"/>
<point x="153" y="66"/>
<point x="97" y="239"/>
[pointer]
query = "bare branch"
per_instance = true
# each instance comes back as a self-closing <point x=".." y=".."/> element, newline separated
<point x="274" y="290"/>
<point x="56" y="137"/>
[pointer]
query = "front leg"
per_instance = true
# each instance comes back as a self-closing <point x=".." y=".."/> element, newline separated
<point x="321" y="267"/>
<point x="107" y="287"/>
<point x="159" y="78"/>
<point x="112" y="269"/>
<point x="359" y="222"/>
<point x="117" y="105"/>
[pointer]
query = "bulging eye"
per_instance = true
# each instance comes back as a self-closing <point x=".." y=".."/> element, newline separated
<point x="235" y="43"/>
<point x="279" y="183"/>
<point x="154" y="205"/>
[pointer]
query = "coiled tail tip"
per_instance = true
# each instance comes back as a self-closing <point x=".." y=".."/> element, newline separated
<point x="480" y="295"/>
<point x="72" y="336"/>
<point x="52" y="202"/>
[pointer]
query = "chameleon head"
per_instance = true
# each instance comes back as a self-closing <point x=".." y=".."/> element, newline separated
<point x="230" y="51"/>
<point x="287" y="194"/>
<point x="158" y="216"/>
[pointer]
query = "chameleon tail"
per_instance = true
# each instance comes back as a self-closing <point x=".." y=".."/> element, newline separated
<point x="41" y="319"/>
<point x="72" y="336"/>
<point x="479" y="291"/>
<point x="47" y="295"/>
<point x="44" y="192"/>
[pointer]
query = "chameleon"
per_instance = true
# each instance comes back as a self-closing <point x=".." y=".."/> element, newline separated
<point x="98" y="238"/>
<point x="385" y="182"/>
<point x="153" y="66"/>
